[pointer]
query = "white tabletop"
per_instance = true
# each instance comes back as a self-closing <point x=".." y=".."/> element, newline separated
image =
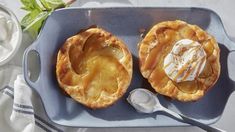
<point x="226" y="10"/>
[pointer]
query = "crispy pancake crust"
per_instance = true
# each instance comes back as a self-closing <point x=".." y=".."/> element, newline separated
<point x="94" y="68"/>
<point x="159" y="41"/>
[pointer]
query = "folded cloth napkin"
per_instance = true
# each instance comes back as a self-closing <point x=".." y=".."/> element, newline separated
<point x="20" y="108"/>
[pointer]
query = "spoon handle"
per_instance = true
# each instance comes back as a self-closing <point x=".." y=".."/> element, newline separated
<point x="191" y="121"/>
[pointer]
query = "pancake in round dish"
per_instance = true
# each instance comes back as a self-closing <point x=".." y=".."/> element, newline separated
<point x="94" y="68"/>
<point x="179" y="60"/>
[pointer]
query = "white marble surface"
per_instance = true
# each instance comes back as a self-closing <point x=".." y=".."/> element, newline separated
<point x="226" y="10"/>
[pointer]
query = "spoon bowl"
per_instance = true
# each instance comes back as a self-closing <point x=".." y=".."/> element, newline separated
<point x="144" y="101"/>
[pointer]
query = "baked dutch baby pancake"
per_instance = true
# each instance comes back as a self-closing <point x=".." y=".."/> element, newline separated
<point x="94" y="68"/>
<point x="179" y="60"/>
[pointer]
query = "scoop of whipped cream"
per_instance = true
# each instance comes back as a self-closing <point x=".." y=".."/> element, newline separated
<point x="186" y="61"/>
<point x="5" y="27"/>
<point x="10" y="36"/>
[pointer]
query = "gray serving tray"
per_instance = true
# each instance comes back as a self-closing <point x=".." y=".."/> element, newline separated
<point x="125" y="23"/>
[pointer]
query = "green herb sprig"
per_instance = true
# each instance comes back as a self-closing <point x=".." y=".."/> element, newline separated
<point x="38" y="11"/>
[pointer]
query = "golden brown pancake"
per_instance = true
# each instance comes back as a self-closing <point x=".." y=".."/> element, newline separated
<point x="94" y="68"/>
<point x="159" y="41"/>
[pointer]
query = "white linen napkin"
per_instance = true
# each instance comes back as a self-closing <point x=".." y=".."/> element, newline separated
<point x="20" y="108"/>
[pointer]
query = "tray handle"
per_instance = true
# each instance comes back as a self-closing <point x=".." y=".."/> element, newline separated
<point x="230" y="43"/>
<point x="231" y="49"/>
<point x="26" y="72"/>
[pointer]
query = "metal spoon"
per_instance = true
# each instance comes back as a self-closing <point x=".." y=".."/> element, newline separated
<point x="145" y="101"/>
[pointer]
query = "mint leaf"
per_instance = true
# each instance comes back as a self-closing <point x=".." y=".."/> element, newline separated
<point x="29" y="18"/>
<point x="30" y="5"/>
<point x="26" y="8"/>
<point x="52" y="4"/>
<point x="45" y="4"/>
<point x="34" y="23"/>
<point x="39" y="10"/>
<point x="56" y="3"/>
